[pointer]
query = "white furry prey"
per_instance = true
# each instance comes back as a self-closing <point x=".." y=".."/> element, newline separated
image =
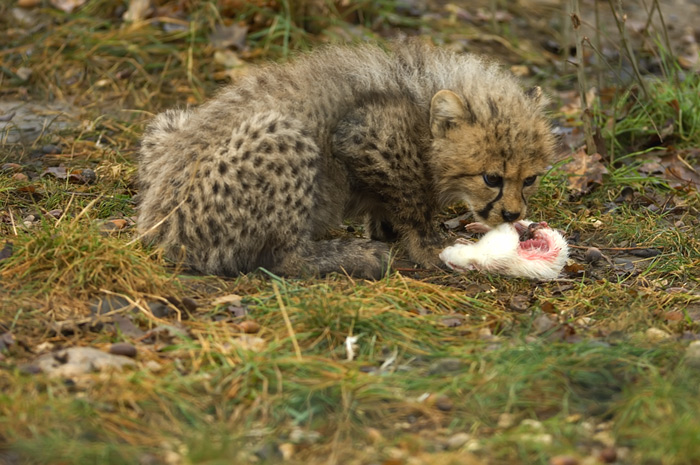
<point x="523" y="249"/>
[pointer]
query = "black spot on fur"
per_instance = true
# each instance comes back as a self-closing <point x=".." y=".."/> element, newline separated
<point x="493" y="107"/>
<point x="272" y="128"/>
<point x="213" y="226"/>
<point x="266" y="147"/>
<point x="246" y="155"/>
<point x="223" y="167"/>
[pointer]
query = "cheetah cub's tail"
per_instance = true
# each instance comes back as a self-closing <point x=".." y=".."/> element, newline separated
<point x="162" y="127"/>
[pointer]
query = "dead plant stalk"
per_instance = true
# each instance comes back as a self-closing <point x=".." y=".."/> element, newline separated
<point x="582" y="84"/>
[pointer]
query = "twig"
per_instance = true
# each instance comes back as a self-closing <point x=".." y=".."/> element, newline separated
<point x="582" y="86"/>
<point x="620" y="19"/>
<point x="614" y="249"/>
<point x="12" y="221"/>
<point x="287" y="321"/>
<point x="65" y="212"/>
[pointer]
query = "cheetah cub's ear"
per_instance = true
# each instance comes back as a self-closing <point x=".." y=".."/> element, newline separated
<point x="447" y="111"/>
<point x="535" y="94"/>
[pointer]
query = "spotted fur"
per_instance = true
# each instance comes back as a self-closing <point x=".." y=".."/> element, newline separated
<point x="256" y="176"/>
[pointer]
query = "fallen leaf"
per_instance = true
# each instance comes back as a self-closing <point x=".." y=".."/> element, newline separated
<point x="252" y="343"/>
<point x="229" y="36"/>
<point x="116" y="224"/>
<point x="28" y="3"/>
<point x="11" y="167"/>
<point x="584" y="171"/>
<point x="673" y="315"/>
<point x="237" y="311"/>
<point x="127" y="327"/>
<point x="458" y="222"/>
<point x="227" y="58"/>
<point x="564" y="460"/>
<point x="548" y="307"/>
<point x="58" y="172"/>
<point x="6" y="251"/>
<point x="137" y="11"/>
<point x="543" y="323"/>
<point x="453" y="321"/>
<point x="233" y="299"/>
<point x="574" y="268"/>
<point x="75" y="176"/>
<point x="67" y="5"/>
<point x="80" y="360"/>
<point x="6" y="340"/>
<point x="673" y="166"/>
<point x="519" y="303"/>
<point x="7" y="116"/>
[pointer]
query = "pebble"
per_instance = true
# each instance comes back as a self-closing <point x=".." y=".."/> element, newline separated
<point x="249" y="326"/>
<point x="123" y="348"/>
<point x="657" y="335"/>
<point x="692" y="354"/>
<point x="189" y="303"/>
<point x="608" y="455"/>
<point x="592" y="255"/>
<point x="458" y="440"/>
<point x="89" y="175"/>
<point x="444" y="403"/>
<point x="51" y="149"/>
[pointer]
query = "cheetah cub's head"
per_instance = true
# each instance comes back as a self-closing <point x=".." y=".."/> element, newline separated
<point x="490" y="151"/>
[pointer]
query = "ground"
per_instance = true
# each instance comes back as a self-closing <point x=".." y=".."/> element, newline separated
<point x="110" y="354"/>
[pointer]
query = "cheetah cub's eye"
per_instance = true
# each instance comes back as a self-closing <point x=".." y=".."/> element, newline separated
<point x="493" y="180"/>
<point x="529" y="181"/>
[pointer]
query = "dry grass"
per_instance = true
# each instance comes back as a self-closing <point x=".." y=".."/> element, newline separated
<point x="447" y="368"/>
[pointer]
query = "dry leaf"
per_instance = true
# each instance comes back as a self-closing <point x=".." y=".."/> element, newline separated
<point x="28" y="3"/>
<point x="233" y="299"/>
<point x="584" y="171"/>
<point x="67" y="5"/>
<point x="138" y="9"/>
<point x="229" y="36"/>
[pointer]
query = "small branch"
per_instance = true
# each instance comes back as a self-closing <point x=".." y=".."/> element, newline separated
<point x="620" y="19"/>
<point x="614" y="249"/>
<point x="582" y="85"/>
<point x="287" y="321"/>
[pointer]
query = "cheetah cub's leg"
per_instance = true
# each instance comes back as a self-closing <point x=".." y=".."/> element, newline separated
<point x="357" y="257"/>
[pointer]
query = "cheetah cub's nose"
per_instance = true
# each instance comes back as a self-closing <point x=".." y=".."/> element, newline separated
<point x="509" y="217"/>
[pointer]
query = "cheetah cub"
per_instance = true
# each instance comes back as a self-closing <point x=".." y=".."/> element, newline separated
<point x="256" y="176"/>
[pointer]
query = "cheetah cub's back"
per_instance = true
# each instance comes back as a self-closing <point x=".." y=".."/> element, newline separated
<point x="256" y="176"/>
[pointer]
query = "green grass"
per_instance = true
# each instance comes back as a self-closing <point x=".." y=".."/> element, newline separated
<point x="437" y="353"/>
